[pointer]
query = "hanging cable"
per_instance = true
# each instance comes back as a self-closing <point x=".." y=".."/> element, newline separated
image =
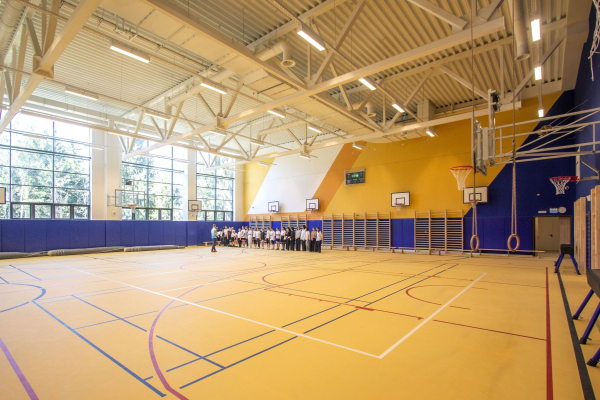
<point x="513" y="211"/>
<point x="474" y="237"/>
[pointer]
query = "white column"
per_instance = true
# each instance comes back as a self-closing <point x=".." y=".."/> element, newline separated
<point x="191" y="183"/>
<point x="112" y="169"/>
<point x="98" y="178"/>
<point x="238" y="196"/>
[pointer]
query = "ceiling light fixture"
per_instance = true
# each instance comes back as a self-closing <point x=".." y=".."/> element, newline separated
<point x="277" y="113"/>
<point x="541" y="112"/>
<point x="304" y="155"/>
<point x="213" y="86"/>
<point x="368" y="82"/>
<point x="430" y="132"/>
<point x="81" y="93"/>
<point x="257" y="142"/>
<point x="536" y="32"/>
<point x="358" y="146"/>
<point x="155" y="114"/>
<point x="230" y="152"/>
<point x="311" y="37"/>
<point x="264" y="163"/>
<point x="128" y="51"/>
<point x="312" y="128"/>
<point x="538" y="73"/>
<point x="218" y="133"/>
<point x="397" y="106"/>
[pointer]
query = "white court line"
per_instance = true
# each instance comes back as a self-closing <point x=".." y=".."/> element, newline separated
<point x="385" y="353"/>
<point x="228" y="314"/>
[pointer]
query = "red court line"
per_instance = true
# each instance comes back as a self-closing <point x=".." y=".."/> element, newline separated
<point x="549" y="383"/>
<point x="489" y="330"/>
<point x="407" y="291"/>
<point x="18" y="371"/>
<point x="345" y="304"/>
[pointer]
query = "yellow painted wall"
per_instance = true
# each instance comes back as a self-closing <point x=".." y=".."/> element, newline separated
<point x="254" y="176"/>
<point x="422" y="167"/>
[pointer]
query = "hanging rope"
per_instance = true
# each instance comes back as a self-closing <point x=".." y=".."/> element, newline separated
<point x="513" y="211"/>
<point x="474" y="237"/>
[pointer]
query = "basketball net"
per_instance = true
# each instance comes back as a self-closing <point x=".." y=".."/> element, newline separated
<point x="461" y="173"/>
<point x="132" y="207"/>
<point x="560" y="182"/>
<point x="309" y="210"/>
<point x="399" y="206"/>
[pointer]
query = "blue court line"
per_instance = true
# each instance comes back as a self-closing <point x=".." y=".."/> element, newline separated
<point x="5" y="281"/>
<point x="25" y="272"/>
<point x="237" y="362"/>
<point x="14" y="307"/>
<point x="130" y="372"/>
<point x="312" y="315"/>
<point x="139" y="327"/>
<point x="99" y="323"/>
<point x="328" y="322"/>
<point x="244" y="341"/>
<point x="147" y="379"/>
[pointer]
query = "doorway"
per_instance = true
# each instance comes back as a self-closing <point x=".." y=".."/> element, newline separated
<point x="551" y="232"/>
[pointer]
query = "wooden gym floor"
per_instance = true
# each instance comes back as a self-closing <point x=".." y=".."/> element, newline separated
<point x="258" y="324"/>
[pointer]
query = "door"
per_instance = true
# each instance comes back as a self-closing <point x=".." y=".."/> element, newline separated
<point x="551" y="232"/>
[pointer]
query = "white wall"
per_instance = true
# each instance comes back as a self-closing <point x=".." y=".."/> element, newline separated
<point x="292" y="180"/>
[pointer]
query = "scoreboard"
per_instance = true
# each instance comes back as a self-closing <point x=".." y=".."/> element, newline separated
<point x="356" y="177"/>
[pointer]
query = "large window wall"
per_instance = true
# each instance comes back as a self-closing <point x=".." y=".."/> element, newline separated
<point x="214" y="188"/>
<point x="160" y="176"/>
<point x="45" y="178"/>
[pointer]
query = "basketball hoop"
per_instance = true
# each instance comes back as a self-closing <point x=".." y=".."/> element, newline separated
<point x="399" y="206"/>
<point x="560" y="182"/>
<point x="310" y="210"/>
<point x="194" y="209"/>
<point x="460" y="173"/>
<point x="132" y="206"/>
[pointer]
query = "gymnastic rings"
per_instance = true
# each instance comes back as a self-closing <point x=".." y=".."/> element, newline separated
<point x="514" y="235"/>
<point x="474" y="237"/>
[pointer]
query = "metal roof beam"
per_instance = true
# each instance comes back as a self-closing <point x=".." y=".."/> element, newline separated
<point x="68" y="32"/>
<point x="439" y="13"/>
<point x="481" y="93"/>
<point x="405" y="57"/>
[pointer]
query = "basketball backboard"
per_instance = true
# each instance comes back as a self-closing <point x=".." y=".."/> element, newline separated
<point x="400" y="198"/>
<point x="2" y="195"/>
<point x="124" y="198"/>
<point x="273" y="206"/>
<point x="194" y="205"/>
<point x="312" y="204"/>
<point x="481" y="195"/>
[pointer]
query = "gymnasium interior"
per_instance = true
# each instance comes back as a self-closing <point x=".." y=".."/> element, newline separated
<point x="445" y="151"/>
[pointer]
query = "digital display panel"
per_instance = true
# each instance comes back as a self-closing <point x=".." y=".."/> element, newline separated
<point x="355" y="177"/>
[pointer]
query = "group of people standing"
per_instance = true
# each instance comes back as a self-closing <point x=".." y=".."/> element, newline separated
<point x="268" y="238"/>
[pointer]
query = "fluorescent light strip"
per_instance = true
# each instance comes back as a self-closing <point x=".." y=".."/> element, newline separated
<point x="257" y="142"/>
<point x="277" y="113"/>
<point x="368" y="83"/>
<point x="128" y="51"/>
<point x="264" y="163"/>
<point x="304" y="155"/>
<point x="94" y="146"/>
<point x="34" y="135"/>
<point x="358" y="146"/>
<point x="538" y="73"/>
<point x="311" y="37"/>
<point x="218" y="133"/>
<point x="536" y="32"/>
<point x="157" y="115"/>
<point x="430" y="132"/>
<point x="541" y="112"/>
<point x="312" y="128"/>
<point x="81" y="93"/>
<point x="213" y="86"/>
<point x="397" y="107"/>
<point x="230" y="152"/>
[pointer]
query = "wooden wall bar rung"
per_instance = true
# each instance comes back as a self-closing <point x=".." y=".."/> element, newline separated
<point x="357" y="230"/>
<point x="439" y="231"/>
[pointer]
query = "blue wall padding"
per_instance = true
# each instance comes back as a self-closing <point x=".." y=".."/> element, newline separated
<point x="180" y="233"/>
<point x="13" y="235"/>
<point x="141" y="229"/>
<point x="168" y="233"/>
<point x="113" y="233"/>
<point x="276" y="224"/>
<point x="192" y="234"/>
<point x="155" y="233"/>
<point x="58" y="235"/>
<point x="493" y="232"/>
<point x="127" y="233"/>
<point x="79" y="234"/>
<point x="35" y="236"/>
<point x="97" y="233"/>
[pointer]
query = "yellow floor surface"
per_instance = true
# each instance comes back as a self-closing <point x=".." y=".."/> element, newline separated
<point x="260" y="324"/>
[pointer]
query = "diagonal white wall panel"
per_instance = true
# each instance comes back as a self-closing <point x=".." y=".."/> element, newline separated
<point x="293" y="180"/>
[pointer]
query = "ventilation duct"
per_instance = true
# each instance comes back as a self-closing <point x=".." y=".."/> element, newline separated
<point x="8" y="23"/>
<point x="520" y="27"/>
<point x="279" y="47"/>
<point x="370" y="108"/>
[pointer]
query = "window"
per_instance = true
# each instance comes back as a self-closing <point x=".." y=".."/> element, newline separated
<point x="214" y="188"/>
<point x="45" y="178"/>
<point x="160" y="175"/>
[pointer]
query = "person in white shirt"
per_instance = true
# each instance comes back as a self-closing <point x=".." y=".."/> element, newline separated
<point x="272" y="235"/>
<point x="250" y="237"/>
<point x="319" y="240"/>
<point x="256" y="238"/>
<point x="297" y="237"/>
<point x="307" y="239"/>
